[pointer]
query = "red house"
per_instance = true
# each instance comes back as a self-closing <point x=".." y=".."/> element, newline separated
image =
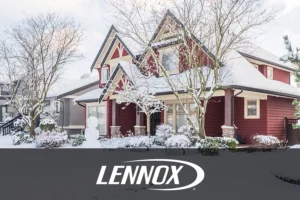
<point x="255" y="98"/>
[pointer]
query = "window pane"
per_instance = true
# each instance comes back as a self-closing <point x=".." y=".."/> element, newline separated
<point x="193" y="107"/>
<point x="170" y="119"/>
<point x="179" y="108"/>
<point x="194" y="119"/>
<point x="169" y="108"/>
<point x="104" y="74"/>
<point x="252" y="107"/>
<point x="170" y="61"/>
<point x="92" y="112"/>
<point x="180" y="121"/>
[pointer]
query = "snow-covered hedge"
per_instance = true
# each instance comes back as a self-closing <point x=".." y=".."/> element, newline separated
<point x="22" y="124"/>
<point x="266" y="140"/>
<point x="217" y="143"/>
<point x="77" y="140"/>
<point x="48" y="125"/>
<point x="163" y="132"/>
<point x="51" y="139"/>
<point x="22" y="138"/>
<point x="128" y="142"/>
<point x="178" y="141"/>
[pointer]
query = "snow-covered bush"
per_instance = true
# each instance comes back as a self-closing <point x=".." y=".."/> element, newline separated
<point x="77" y="140"/>
<point x="162" y="133"/>
<point x="217" y="143"/>
<point x="48" y="124"/>
<point x="128" y="142"/>
<point x="186" y="130"/>
<point x="22" y="124"/>
<point x="266" y="140"/>
<point x="22" y="138"/>
<point x="140" y="141"/>
<point x="37" y="130"/>
<point x="178" y="141"/>
<point x="51" y="139"/>
<point x="7" y="118"/>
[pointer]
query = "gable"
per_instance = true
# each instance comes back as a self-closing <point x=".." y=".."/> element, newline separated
<point x="113" y="47"/>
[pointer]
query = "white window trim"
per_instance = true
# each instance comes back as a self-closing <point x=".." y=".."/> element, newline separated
<point x="167" y="50"/>
<point x="107" y="69"/>
<point x="271" y="69"/>
<point x="246" y="116"/>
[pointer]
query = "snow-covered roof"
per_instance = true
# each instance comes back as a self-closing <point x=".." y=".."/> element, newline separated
<point x="91" y="96"/>
<point x="257" y="53"/>
<point x="238" y="73"/>
<point x="63" y="86"/>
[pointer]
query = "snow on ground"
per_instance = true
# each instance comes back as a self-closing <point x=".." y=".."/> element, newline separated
<point x="6" y="142"/>
<point x="297" y="146"/>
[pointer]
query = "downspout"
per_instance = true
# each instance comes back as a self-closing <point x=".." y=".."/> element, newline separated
<point x="84" y="115"/>
<point x="63" y="112"/>
<point x="232" y="110"/>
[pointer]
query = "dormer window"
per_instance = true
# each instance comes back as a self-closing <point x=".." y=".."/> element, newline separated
<point x="270" y="73"/>
<point x="104" y="74"/>
<point x="170" y="60"/>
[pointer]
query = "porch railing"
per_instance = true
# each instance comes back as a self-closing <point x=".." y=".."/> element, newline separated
<point x="292" y="135"/>
<point x="7" y="127"/>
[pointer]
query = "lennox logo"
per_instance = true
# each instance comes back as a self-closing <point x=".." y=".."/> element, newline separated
<point x="156" y="175"/>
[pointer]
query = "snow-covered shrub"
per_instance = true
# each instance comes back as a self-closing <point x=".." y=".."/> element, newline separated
<point x="22" y="124"/>
<point x="217" y="143"/>
<point x="186" y="130"/>
<point x="51" y="139"/>
<point x="7" y="118"/>
<point x="140" y="141"/>
<point x="77" y="140"/>
<point x="22" y="138"/>
<point x="48" y="124"/>
<point x="37" y="130"/>
<point x="212" y="145"/>
<point x="266" y="140"/>
<point x="162" y="133"/>
<point x="178" y="141"/>
<point x="127" y="142"/>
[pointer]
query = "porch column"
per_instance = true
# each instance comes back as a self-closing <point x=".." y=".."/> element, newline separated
<point x="108" y="117"/>
<point x="227" y="128"/>
<point x="139" y="129"/>
<point x="115" y="114"/>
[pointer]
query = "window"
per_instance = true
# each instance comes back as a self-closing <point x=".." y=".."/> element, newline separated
<point x="169" y="61"/>
<point x="270" y="73"/>
<point x="100" y="113"/>
<point x="176" y="117"/>
<point x="56" y="105"/>
<point x="252" y="108"/>
<point x="104" y="74"/>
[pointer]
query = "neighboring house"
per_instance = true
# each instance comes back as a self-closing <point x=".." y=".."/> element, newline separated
<point x="256" y="98"/>
<point x="61" y="97"/>
<point x="5" y="109"/>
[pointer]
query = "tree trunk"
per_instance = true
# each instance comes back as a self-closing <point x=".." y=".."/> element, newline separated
<point x="202" y="127"/>
<point x="32" y="125"/>
<point x="148" y="125"/>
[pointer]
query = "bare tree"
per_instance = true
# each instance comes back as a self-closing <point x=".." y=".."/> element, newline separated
<point x="203" y="34"/>
<point x="32" y="57"/>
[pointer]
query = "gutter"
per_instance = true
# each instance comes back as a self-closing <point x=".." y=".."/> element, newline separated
<point x="232" y="111"/>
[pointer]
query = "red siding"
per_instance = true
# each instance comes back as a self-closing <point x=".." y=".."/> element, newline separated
<point x="278" y="109"/>
<point x="127" y="116"/>
<point x="214" y="118"/>
<point x="116" y="54"/>
<point x="108" y="117"/>
<point x="248" y="127"/>
<point x="124" y="53"/>
<point x="281" y="75"/>
<point x="263" y="69"/>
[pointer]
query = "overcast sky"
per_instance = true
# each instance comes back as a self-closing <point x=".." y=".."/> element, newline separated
<point x="94" y="16"/>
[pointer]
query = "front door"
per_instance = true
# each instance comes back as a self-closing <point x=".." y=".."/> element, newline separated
<point x="154" y="121"/>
